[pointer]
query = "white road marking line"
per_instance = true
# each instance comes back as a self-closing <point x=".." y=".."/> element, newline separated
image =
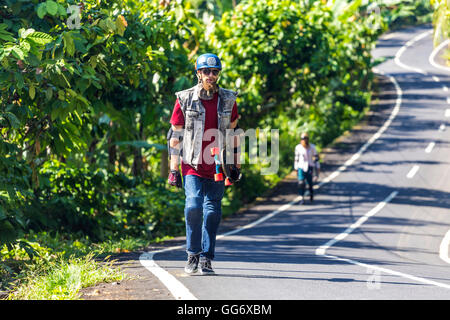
<point x="393" y="272"/>
<point x="322" y="249"/>
<point x="430" y="147"/>
<point x="442" y="127"/>
<point x="447" y="113"/>
<point x="176" y="288"/>
<point x="403" y="49"/>
<point x="443" y="248"/>
<point x="448" y="100"/>
<point x="432" y="57"/>
<point x="412" y="172"/>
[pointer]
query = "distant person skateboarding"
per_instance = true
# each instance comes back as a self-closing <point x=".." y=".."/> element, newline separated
<point x="202" y="108"/>
<point x="307" y="165"/>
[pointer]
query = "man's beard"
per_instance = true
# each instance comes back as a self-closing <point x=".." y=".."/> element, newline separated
<point x="207" y="90"/>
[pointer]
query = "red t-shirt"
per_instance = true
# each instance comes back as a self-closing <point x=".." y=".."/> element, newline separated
<point x="204" y="170"/>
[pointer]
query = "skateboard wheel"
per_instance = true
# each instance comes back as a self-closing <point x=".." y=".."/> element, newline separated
<point x="218" y="177"/>
<point x="228" y="182"/>
<point x="214" y="151"/>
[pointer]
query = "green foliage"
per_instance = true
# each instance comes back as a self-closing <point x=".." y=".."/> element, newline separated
<point x="399" y="13"/>
<point x="441" y="21"/>
<point x="60" y="279"/>
<point x="86" y="97"/>
<point x="102" y="205"/>
<point x="281" y="56"/>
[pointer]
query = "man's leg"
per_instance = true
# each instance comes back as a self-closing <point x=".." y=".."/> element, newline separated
<point x="301" y="182"/>
<point x="212" y="214"/>
<point x="309" y="179"/>
<point x="193" y="211"/>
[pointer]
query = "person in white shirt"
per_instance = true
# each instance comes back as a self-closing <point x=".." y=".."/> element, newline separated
<point x="307" y="164"/>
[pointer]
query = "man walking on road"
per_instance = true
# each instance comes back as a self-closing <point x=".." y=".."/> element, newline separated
<point x="198" y="111"/>
<point x="307" y="164"/>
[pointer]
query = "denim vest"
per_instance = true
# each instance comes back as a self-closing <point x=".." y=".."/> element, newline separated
<point x="194" y="124"/>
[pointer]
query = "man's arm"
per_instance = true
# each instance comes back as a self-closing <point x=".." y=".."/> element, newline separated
<point x="175" y="145"/>
<point x="297" y="156"/>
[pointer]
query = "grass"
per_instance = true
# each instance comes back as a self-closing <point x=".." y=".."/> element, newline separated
<point x="62" y="266"/>
<point x="62" y="280"/>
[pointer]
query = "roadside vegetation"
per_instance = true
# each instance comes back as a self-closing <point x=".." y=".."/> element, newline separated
<point x="441" y="22"/>
<point x="85" y="101"/>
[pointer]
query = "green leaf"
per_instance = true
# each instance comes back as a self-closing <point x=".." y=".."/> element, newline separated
<point x="121" y="25"/>
<point x="40" y="38"/>
<point x="52" y="7"/>
<point x="61" y="95"/>
<point x="55" y="113"/>
<point x="24" y="33"/>
<point x="49" y="94"/>
<point x="41" y="10"/>
<point x="18" y="53"/>
<point x="179" y="13"/>
<point x="28" y="248"/>
<point x="13" y="121"/>
<point x="25" y="47"/>
<point x="32" y="92"/>
<point x="6" y="36"/>
<point x="62" y="10"/>
<point x="69" y="45"/>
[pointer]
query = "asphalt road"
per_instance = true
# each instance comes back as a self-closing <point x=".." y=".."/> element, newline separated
<point x="376" y="231"/>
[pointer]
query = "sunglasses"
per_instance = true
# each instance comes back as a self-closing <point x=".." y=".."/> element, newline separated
<point x="206" y="71"/>
<point x="305" y="138"/>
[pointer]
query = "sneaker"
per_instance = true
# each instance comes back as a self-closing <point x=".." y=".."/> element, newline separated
<point x="205" y="267"/>
<point x="192" y="264"/>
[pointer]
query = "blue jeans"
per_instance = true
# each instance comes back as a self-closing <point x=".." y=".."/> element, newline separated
<point x="202" y="212"/>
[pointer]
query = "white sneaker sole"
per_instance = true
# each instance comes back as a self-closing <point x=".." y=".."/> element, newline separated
<point x="190" y="272"/>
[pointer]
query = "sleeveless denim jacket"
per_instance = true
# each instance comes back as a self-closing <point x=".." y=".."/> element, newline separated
<point x="194" y="124"/>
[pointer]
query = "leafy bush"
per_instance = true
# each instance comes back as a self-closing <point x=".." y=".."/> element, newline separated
<point x="86" y="97"/>
<point x="104" y="205"/>
<point x="441" y="20"/>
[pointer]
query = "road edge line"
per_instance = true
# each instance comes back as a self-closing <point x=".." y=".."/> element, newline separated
<point x="432" y="57"/>
<point x="321" y="251"/>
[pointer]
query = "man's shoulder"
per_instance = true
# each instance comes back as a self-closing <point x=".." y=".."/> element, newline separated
<point x="185" y="92"/>
<point x="227" y="92"/>
<point x="185" y="96"/>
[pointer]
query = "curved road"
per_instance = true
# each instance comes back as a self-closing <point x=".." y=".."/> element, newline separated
<point x="380" y="229"/>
